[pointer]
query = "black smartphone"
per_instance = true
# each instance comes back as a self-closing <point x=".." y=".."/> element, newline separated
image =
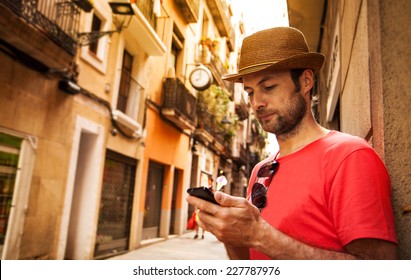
<point x="203" y="193"/>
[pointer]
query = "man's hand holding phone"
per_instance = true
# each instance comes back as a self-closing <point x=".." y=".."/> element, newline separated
<point x="203" y="193"/>
<point x="230" y="219"/>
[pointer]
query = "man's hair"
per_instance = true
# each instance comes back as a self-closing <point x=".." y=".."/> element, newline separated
<point x="295" y="76"/>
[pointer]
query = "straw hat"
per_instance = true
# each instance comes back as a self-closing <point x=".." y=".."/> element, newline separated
<point x="277" y="48"/>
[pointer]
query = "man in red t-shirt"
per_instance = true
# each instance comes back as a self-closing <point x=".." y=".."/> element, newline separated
<point x="325" y="194"/>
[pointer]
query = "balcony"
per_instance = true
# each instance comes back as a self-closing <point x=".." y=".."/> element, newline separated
<point x="58" y="19"/>
<point x="189" y="9"/>
<point x="218" y="145"/>
<point x="221" y="16"/>
<point x="240" y="154"/>
<point x="218" y="70"/>
<point x="128" y="105"/>
<point x="142" y="28"/>
<point x="146" y="7"/>
<point x="129" y="96"/>
<point x="228" y="149"/>
<point x="56" y="23"/>
<point x="210" y="133"/>
<point x="179" y="105"/>
<point x="208" y="57"/>
<point x="205" y="123"/>
<point x="231" y="40"/>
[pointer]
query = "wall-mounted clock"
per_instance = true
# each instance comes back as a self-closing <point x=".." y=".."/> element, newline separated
<point x="201" y="78"/>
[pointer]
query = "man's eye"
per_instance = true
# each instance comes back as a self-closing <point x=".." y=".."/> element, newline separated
<point x="268" y="88"/>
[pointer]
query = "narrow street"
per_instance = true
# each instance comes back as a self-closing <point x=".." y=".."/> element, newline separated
<point x="182" y="247"/>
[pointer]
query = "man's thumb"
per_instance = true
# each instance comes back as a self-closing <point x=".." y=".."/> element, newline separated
<point x="225" y="200"/>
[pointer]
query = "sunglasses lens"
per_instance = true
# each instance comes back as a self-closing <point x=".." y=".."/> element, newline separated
<point x="268" y="169"/>
<point x="258" y="193"/>
<point x="258" y="197"/>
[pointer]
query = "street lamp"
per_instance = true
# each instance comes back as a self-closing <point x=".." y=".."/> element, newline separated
<point x="122" y="13"/>
<point x="121" y="7"/>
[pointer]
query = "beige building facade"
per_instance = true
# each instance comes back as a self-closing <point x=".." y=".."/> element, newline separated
<point x="62" y="98"/>
<point x="99" y="125"/>
<point x="364" y="87"/>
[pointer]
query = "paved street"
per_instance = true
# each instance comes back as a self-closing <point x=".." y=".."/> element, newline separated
<point x="182" y="247"/>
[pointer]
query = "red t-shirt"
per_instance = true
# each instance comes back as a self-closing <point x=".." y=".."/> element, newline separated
<point x="329" y="193"/>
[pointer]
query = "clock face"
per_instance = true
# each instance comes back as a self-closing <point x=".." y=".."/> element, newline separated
<point x="200" y="78"/>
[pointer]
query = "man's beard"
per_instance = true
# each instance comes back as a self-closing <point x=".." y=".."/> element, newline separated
<point x="287" y="122"/>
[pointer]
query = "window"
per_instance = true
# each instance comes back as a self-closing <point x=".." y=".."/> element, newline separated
<point x="174" y="55"/>
<point x="176" y="50"/>
<point x="9" y="158"/>
<point x="96" y="53"/>
<point x="129" y="97"/>
<point x="17" y="155"/>
<point x="125" y="82"/>
<point x="96" y="25"/>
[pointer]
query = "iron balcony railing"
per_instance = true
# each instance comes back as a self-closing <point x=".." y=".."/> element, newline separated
<point x="218" y="133"/>
<point x="213" y="61"/>
<point x="58" y="19"/>
<point x="190" y="9"/>
<point x="176" y="96"/>
<point x="219" y="11"/>
<point x="208" y="122"/>
<point x="241" y="154"/>
<point x="205" y="120"/>
<point x="146" y="8"/>
<point x="228" y="147"/>
<point x="221" y="15"/>
<point x="217" y="64"/>
<point x="231" y="39"/>
<point x="129" y="96"/>
<point x="208" y="56"/>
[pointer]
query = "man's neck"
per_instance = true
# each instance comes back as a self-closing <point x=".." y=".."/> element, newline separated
<point x="308" y="133"/>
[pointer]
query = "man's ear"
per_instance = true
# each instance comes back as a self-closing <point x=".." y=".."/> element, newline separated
<point x="307" y="80"/>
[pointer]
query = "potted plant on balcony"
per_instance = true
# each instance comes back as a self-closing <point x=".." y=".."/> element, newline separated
<point x="215" y="101"/>
<point x="85" y="5"/>
<point x="213" y="45"/>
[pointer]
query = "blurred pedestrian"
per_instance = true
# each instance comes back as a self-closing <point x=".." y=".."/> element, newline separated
<point x="210" y="183"/>
<point x="197" y="227"/>
<point x="221" y="181"/>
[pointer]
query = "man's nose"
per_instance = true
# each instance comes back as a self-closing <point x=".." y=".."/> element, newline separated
<point x="258" y="101"/>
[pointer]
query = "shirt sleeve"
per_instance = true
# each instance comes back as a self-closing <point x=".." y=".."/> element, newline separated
<point x="360" y="198"/>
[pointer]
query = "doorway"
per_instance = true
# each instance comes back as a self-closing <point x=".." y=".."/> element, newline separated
<point x="78" y="225"/>
<point x="154" y="195"/>
<point x="83" y="199"/>
<point x="113" y="231"/>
